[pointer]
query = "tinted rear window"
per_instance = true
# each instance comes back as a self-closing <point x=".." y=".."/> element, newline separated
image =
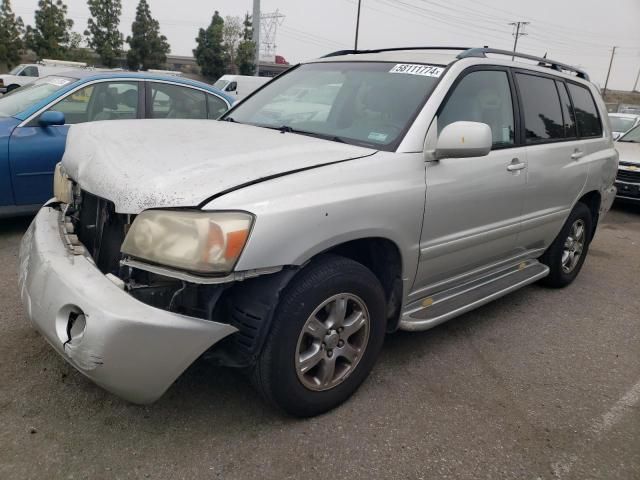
<point x="567" y="111"/>
<point x="587" y="117"/>
<point x="542" y="111"/>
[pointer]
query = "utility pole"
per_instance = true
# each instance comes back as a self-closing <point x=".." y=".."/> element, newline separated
<point x="606" y="82"/>
<point x="255" y="20"/>
<point x="358" y="24"/>
<point x="519" y="27"/>
<point x="635" y="85"/>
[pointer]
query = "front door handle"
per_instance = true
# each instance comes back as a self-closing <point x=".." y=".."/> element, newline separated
<point x="577" y="154"/>
<point x="516" y="165"/>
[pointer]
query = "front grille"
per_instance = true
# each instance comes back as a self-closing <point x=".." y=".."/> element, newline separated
<point x="629" y="176"/>
<point x="101" y="230"/>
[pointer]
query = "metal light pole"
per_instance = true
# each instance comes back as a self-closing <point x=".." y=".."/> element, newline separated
<point x="256" y="34"/>
<point x="358" y="24"/>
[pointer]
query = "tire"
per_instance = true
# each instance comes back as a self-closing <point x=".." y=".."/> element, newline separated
<point x="277" y="375"/>
<point x="11" y="88"/>
<point x="562" y="274"/>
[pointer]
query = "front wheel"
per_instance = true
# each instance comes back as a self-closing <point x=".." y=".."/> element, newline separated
<point x="566" y="255"/>
<point x="326" y="335"/>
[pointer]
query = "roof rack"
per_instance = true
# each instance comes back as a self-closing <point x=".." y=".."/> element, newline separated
<point x="394" y="49"/>
<point x="543" y="62"/>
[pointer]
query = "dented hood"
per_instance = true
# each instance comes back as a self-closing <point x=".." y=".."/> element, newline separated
<point x="140" y="164"/>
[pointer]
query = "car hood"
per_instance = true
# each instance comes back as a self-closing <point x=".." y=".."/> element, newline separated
<point x="629" y="152"/>
<point x="140" y="164"/>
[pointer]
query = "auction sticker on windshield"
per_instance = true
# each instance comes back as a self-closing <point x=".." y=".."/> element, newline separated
<point x="417" y="69"/>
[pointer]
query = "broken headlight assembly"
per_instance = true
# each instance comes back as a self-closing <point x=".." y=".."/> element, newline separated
<point x="195" y="241"/>
<point x="62" y="185"/>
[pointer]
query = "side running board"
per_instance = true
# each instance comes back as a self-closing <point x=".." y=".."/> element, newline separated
<point x="428" y="312"/>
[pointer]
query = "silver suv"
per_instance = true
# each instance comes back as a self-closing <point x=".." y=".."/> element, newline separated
<point x="355" y="195"/>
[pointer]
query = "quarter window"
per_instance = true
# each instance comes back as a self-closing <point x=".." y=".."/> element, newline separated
<point x="589" y="124"/>
<point x="542" y="110"/>
<point x="482" y="96"/>
<point x="215" y="107"/>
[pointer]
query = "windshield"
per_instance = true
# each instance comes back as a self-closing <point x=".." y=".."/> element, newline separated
<point x="369" y="104"/>
<point x="22" y="98"/>
<point x="16" y="70"/>
<point x="631" y="136"/>
<point x="220" y="84"/>
<point x="621" y="124"/>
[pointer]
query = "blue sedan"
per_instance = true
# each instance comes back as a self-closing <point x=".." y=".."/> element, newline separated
<point x="35" y="119"/>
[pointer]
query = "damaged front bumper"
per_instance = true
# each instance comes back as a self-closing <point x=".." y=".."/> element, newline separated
<point x="129" y="348"/>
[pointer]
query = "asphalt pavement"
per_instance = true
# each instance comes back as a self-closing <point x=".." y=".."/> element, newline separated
<point x="540" y="384"/>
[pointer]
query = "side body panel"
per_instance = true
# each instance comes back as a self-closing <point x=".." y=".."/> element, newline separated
<point x="33" y="155"/>
<point x="7" y="125"/>
<point x="472" y="215"/>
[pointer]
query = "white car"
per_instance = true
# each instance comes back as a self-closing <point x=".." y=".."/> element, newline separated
<point x="621" y="123"/>
<point x="29" y="72"/>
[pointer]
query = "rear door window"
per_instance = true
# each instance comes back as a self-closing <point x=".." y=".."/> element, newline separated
<point x="567" y="111"/>
<point x="542" y="110"/>
<point x="173" y="101"/>
<point x="588" y="119"/>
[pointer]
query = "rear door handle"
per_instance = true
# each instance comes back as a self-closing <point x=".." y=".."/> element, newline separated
<point x="516" y="165"/>
<point x="577" y="154"/>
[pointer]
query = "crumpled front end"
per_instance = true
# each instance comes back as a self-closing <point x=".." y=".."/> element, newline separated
<point x="126" y="346"/>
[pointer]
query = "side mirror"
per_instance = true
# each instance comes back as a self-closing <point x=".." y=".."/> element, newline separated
<point x="50" y="118"/>
<point x="463" y="140"/>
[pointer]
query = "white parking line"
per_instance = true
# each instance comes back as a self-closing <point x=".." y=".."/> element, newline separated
<point x="599" y="428"/>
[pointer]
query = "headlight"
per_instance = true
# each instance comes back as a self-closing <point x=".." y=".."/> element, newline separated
<point x="204" y="242"/>
<point x="62" y="185"/>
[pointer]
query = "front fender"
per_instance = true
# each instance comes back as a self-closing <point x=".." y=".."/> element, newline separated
<point x="301" y="215"/>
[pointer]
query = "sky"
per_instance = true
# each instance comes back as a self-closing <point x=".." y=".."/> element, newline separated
<point x="577" y="32"/>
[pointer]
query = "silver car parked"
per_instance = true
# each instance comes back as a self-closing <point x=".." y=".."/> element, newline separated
<point x="290" y="237"/>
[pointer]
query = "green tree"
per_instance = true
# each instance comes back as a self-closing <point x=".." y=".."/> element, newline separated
<point x="50" y="36"/>
<point x="210" y="53"/>
<point x="102" y="30"/>
<point x="77" y="50"/>
<point x="11" y="30"/>
<point x="246" y="52"/>
<point x="232" y="32"/>
<point x="147" y="47"/>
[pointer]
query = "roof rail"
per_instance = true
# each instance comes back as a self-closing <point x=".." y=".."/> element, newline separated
<point x="543" y="62"/>
<point x="394" y="49"/>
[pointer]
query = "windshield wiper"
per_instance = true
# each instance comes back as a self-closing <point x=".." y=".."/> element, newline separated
<point x="324" y="136"/>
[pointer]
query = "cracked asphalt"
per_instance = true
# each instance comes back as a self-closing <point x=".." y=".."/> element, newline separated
<point x="540" y="384"/>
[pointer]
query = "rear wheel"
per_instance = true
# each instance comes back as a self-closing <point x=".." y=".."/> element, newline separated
<point x="11" y="88"/>
<point x="566" y="255"/>
<point x="326" y="336"/>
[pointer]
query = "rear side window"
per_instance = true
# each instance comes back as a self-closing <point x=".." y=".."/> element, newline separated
<point x="589" y="124"/>
<point x="567" y="112"/>
<point x="482" y="96"/>
<point x="542" y="110"/>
